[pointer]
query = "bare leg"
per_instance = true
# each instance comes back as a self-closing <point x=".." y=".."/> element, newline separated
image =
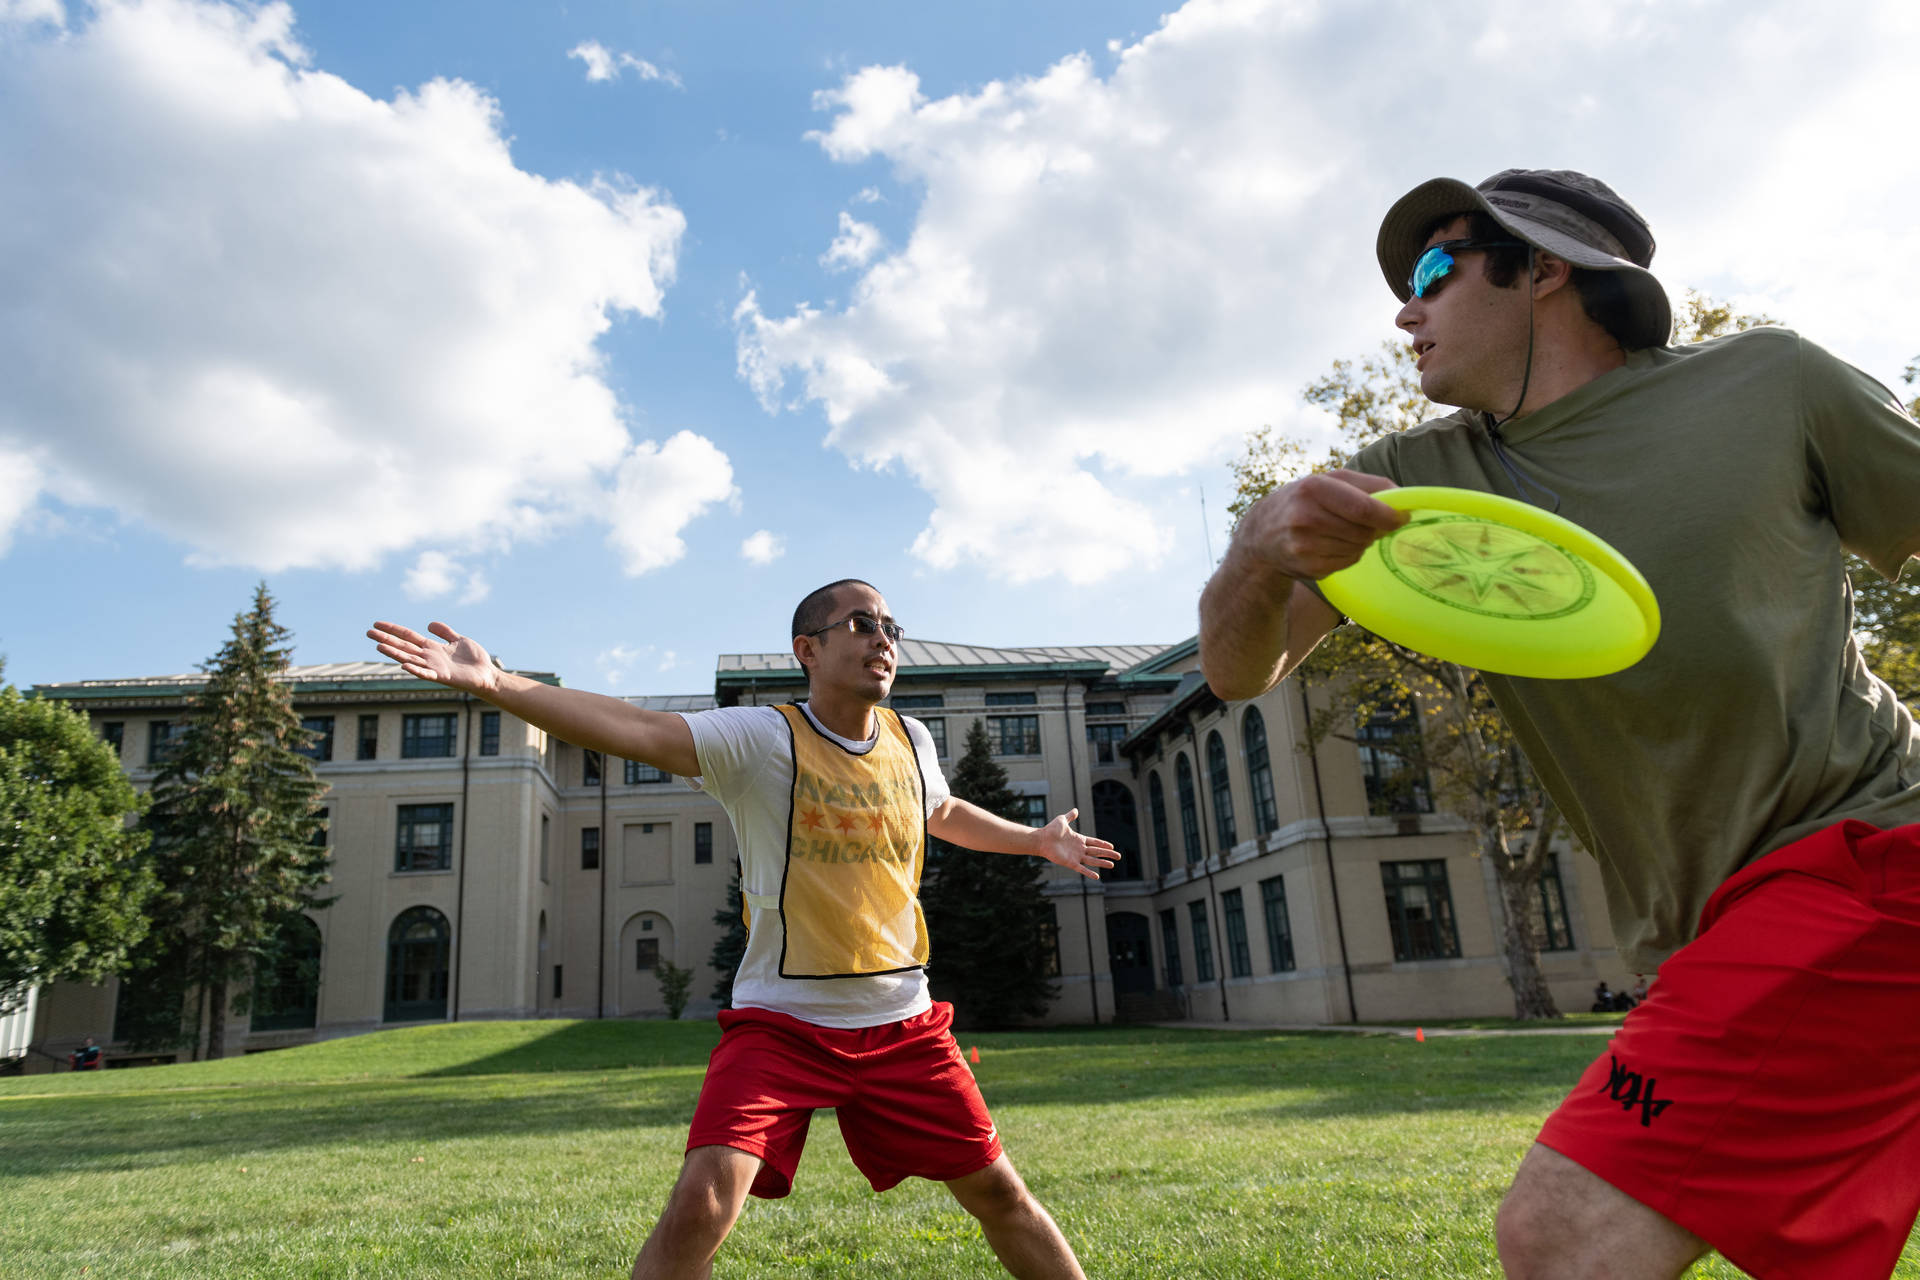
<point x="701" y="1209"/>
<point x="1022" y="1233"/>
<point x="1562" y="1222"/>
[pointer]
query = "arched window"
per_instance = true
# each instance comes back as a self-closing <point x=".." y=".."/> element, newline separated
<point x="417" y="949"/>
<point x="1115" y="820"/>
<point x="1189" y="815"/>
<point x="1157" y="806"/>
<point x="1222" y="785"/>
<point x="286" y="993"/>
<point x="1253" y="732"/>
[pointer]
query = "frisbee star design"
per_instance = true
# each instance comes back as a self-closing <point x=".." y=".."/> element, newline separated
<point x="1487" y="568"/>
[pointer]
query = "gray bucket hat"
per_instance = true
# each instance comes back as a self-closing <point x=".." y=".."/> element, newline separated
<point x="1565" y="213"/>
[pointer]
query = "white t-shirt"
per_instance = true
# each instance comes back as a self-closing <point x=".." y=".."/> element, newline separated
<point x="746" y="763"/>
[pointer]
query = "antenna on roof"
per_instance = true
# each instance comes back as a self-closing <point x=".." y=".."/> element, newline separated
<point x="1204" y="530"/>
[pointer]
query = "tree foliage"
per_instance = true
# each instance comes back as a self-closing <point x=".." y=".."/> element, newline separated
<point x="986" y="916"/>
<point x="731" y="946"/>
<point x="73" y="884"/>
<point x="675" y="984"/>
<point x="237" y="835"/>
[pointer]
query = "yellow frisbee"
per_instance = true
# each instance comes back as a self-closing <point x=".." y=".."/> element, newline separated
<point x="1492" y="583"/>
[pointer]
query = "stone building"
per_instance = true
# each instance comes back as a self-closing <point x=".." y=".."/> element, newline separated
<point x="483" y="869"/>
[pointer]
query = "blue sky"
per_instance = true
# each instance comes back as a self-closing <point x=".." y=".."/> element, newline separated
<point x="604" y="331"/>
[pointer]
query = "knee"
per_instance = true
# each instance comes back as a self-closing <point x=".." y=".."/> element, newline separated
<point x="1522" y="1229"/>
<point x="999" y="1197"/>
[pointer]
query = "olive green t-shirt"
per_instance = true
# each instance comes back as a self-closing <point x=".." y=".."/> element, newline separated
<point x="1731" y="473"/>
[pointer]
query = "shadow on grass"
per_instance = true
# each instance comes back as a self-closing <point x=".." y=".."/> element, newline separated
<point x="74" y="1135"/>
<point x="596" y="1046"/>
<point x="613" y="1077"/>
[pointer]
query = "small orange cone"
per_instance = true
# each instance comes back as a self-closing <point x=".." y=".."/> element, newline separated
<point x="973" y="1054"/>
<point x="1420" y="1035"/>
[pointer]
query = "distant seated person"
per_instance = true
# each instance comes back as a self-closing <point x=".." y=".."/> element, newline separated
<point x="86" y="1057"/>
<point x="1602" y="999"/>
<point x="1639" y="992"/>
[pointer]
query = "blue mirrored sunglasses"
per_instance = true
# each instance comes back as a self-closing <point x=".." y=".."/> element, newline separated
<point x="1436" y="263"/>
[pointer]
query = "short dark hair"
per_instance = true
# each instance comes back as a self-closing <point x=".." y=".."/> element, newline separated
<point x="1603" y="295"/>
<point x="812" y="613"/>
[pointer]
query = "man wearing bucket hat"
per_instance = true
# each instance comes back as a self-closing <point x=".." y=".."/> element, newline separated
<point x="1750" y="789"/>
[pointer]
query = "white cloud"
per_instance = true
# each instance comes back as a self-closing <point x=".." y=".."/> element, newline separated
<point x="868" y="195"/>
<point x="763" y="547"/>
<point x="604" y="64"/>
<point x="1112" y="277"/>
<point x="854" y="246"/>
<point x="599" y="59"/>
<point x="288" y="324"/>
<point x="433" y="575"/>
<point x="658" y="491"/>
<point x="617" y="663"/>
<point x="29" y="12"/>
<point x="19" y="483"/>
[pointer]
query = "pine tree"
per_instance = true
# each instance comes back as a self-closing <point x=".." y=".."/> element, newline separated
<point x="731" y="945"/>
<point x="235" y="821"/>
<point x="986" y="916"/>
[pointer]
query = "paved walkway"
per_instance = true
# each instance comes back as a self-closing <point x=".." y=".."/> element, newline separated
<point x="1370" y="1029"/>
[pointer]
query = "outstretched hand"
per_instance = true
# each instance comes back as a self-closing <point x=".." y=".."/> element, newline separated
<point x="460" y="663"/>
<point x="1061" y="845"/>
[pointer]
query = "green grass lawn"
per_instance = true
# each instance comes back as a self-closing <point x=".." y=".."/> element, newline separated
<point x="545" y="1149"/>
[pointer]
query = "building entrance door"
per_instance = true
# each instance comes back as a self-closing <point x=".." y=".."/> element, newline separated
<point x="1129" y="953"/>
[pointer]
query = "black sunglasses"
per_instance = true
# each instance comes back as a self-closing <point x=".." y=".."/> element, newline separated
<point x="862" y="624"/>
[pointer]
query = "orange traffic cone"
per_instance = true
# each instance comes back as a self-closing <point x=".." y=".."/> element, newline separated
<point x="973" y="1054"/>
<point x="1420" y="1035"/>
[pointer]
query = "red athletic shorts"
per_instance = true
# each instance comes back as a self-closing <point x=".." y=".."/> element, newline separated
<point x="1766" y="1096"/>
<point x="906" y="1100"/>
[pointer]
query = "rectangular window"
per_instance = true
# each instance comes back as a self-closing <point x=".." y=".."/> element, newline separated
<point x="425" y="840"/>
<point x="703" y="842"/>
<point x="1239" y="957"/>
<point x="1420" y="910"/>
<point x="589" y="768"/>
<point x="937" y="730"/>
<point x="1170" y="943"/>
<point x="1050" y="938"/>
<point x="918" y="701"/>
<point x="1109" y="710"/>
<point x="321" y="747"/>
<point x="1389" y="748"/>
<point x="1555" y="933"/>
<point x="369" y="738"/>
<point x="319" y="837"/>
<point x="1202" y="941"/>
<point x="114" y="733"/>
<point x="163" y="740"/>
<point x="1014" y="735"/>
<point x="646" y="953"/>
<point x="557" y="988"/>
<point x="489" y="733"/>
<point x="1273" y="898"/>
<point x="638" y="773"/>
<point x="428" y="737"/>
<point x="590" y="849"/>
<point x="1013" y="699"/>
<point x="1106" y="739"/>
<point x="1034" y="810"/>
<point x="545" y="831"/>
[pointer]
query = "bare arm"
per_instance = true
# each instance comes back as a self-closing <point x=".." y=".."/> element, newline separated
<point x="969" y="826"/>
<point x="1257" y="618"/>
<point x="589" y="720"/>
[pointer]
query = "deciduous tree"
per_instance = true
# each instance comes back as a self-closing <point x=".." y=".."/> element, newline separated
<point x="73" y="883"/>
